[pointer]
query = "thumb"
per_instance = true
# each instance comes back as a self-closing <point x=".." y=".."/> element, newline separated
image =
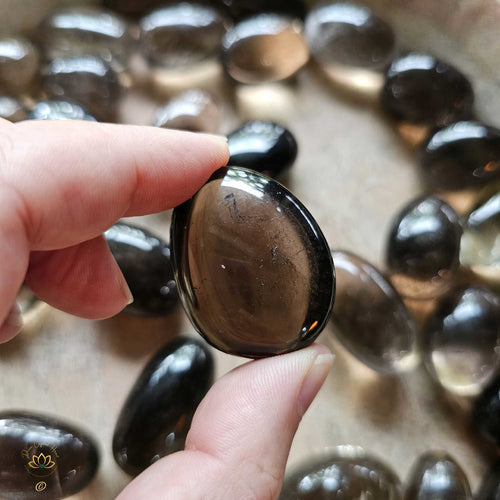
<point x="241" y="434"/>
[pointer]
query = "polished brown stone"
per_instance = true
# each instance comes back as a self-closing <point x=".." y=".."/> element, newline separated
<point x="264" y="48"/>
<point x="490" y="485"/>
<point x="487" y="411"/>
<point x="19" y="65"/>
<point x="370" y="317"/>
<point x="59" y="110"/>
<point x="253" y="269"/>
<point x="12" y="109"/>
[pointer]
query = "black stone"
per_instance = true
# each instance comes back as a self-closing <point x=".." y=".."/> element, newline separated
<point x="157" y="414"/>
<point x="420" y="89"/>
<point x="59" y="110"/>
<point x="86" y="80"/>
<point x="42" y="457"/>
<point x="254" y="271"/>
<point x="435" y="476"/>
<point x="263" y="146"/>
<point x="487" y="411"/>
<point x="462" y="155"/>
<point x="490" y="486"/>
<point x="342" y="477"/>
<point x="144" y="260"/>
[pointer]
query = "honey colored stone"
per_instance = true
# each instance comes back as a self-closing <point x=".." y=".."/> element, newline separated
<point x="487" y="411"/>
<point x="19" y="64"/>
<point x="86" y="80"/>
<point x="263" y="146"/>
<point x="461" y="340"/>
<point x="254" y="271"/>
<point x="59" y="110"/>
<point x="490" y="486"/>
<point x="423" y="248"/>
<point x="420" y="89"/>
<point x="435" y="476"/>
<point x="348" y="473"/>
<point x="181" y="34"/>
<point x="370" y="318"/>
<point x="264" y="48"/>
<point x="193" y="110"/>
<point x="144" y="260"/>
<point x="87" y="30"/>
<point x="43" y="458"/>
<point x="463" y="155"/>
<point x="156" y="417"/>
<point x="11" y="109"/>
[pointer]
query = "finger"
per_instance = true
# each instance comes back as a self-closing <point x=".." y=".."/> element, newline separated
<point x="83" y="280"/>
<point x="241" y="434"/>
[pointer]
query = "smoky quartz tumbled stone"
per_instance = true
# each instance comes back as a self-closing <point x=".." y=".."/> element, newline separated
<point x="19" y="64"/>
<point x="370" y="318"/>
<point x="487" y="411"/>
<point x="59" y="110"/>
<point x="86" y="80"/>
<point x="461" y="340"/>
<point x="436" y="475"/>
<point x="423" y="248"/>
<point x="348" y="473"/>
<point x="263" y="146"/>
<point x="264" y="48"/>
<point x="463" y="155"/>
<point x="420" y="89"/>
<point x="253" y="268"/>
<point x="157" y="414"/>
<point x="12" y="109"/>
<point x="490" y="485"/>
<point x="144" y="260"/>
<point x="43" y="458"/>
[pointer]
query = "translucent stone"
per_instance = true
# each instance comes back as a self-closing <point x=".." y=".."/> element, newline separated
<point x="264" y="48"/>
<point x="26" y="299"/>
<point x="423" y="248"/>
<point x="59" y="110"/>
<point x="351" y="44"/>
<point x="181" y="35"/>
<point x="436" y="476"/>
<point x="157" y="414"/>
<point x="490" y="486"/>
<point x="87" y="30"/>
<point x="11" y="109"/>
<point x="422" y="90"/>
<point x="253" y="268"/>
<point x="43" y="458"/>
<point x="370" y="318"/>
<point x="19" y="64"/>
<point x="87" y="80"/>
<point x="144" y="260"/>
<point x="347" y="473"/>
<point x="462" y="340"/>
<point x="480" y="245"/>
<point x="487" y="411"/>
<point x="262" y="146"/>
<point x="193" y="110"/>
<point x="462" y="155"/>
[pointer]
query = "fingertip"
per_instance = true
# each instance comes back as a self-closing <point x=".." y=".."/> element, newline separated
<point x="12" y="324"/>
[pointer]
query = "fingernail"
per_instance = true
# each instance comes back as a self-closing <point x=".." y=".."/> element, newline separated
<point x="221" y="138"/>
<point x="126" y="291"/>
<point x="315" y="377"/>
<point x="12" y="324"/>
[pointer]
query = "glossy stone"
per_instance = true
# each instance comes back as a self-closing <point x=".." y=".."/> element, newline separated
<point x="436" y="476"/>
<point x="11" y="109"/>
<point x="462" y="155"/>
<point x="59" y="110"/>
<point x="263" y="146"/>
<point x="181" y="34"/>
<point x="351" y="44"/>
<point x="19" y="64"/>
<point x="264" y="48"/>
<point x="156" y="417"/>
<point x="420" y="89"/>
<point x="87" y="30"/>
<point x="348" y="473"/>
<point x="487" y="411"/>
<point x="461" y="340"/>
<point x="144" y="260"/>
<point x="490" y="486"/>
<point x="43" y="458"/>
<point x="254" y="271"/>
<point x="423" y="248"/>
<point x="384" y="335"/>
<point x="193" y="110"/>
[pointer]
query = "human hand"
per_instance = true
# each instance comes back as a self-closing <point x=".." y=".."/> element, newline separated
<point x="61" y="185"/>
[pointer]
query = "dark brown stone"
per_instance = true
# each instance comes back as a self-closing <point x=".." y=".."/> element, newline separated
<point x="487" y="411"/>
<point x="19" y="64"/>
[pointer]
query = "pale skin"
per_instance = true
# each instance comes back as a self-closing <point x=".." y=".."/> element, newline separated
<point x="62" y="184"/>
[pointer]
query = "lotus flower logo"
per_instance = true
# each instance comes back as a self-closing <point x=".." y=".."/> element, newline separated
<point x="41" y="462"/>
